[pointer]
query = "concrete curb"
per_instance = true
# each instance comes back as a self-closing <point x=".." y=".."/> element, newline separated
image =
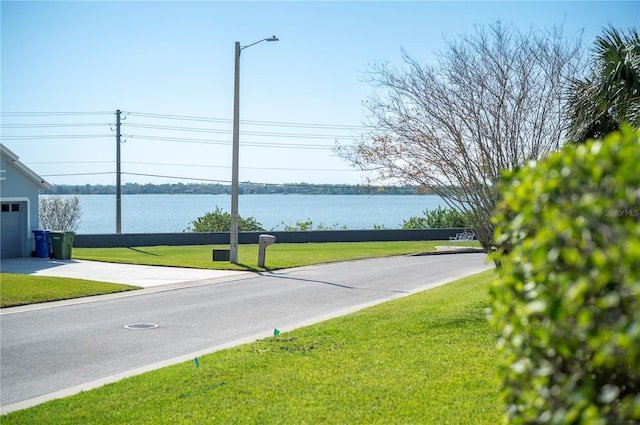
<point x="445" y="250"/>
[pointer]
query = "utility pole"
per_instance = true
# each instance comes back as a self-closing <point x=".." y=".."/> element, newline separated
<point x="118" y="172"/>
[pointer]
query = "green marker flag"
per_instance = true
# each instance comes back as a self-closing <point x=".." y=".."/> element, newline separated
<point x="276" y="332"/>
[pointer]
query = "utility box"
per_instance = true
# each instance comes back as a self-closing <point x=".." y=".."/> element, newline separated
<point x="264" y="241"/>
<point x="221" y="254"/>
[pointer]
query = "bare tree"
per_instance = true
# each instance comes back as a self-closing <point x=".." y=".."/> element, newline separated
<point x="59" y="213"/>
<point x="492" y="102"/>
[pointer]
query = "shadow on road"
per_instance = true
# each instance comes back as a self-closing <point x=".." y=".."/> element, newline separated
<point x="339" y="285"/>
<point x="30" y="265"/>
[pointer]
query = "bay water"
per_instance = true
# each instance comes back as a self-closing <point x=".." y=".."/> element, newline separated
<point x="174" y="213"/>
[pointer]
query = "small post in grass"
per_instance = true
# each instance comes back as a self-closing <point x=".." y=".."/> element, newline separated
<point x="264" y="241"/>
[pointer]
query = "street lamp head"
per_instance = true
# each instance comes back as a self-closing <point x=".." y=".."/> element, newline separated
<point x="274" y="38"/>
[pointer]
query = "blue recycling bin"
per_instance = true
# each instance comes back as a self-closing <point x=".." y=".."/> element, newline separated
<point x="42" y="243"/>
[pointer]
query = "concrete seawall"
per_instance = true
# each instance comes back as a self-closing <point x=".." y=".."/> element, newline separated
<point x="214" y="238"/>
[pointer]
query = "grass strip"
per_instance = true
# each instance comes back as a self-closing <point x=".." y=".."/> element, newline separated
<point x="428" y="358"/>
<point x="278" y="256"/>
<point x="20" y="289"/>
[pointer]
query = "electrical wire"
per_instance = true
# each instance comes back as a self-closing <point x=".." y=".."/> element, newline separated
<point x="333" y="137"/>
<point x="56" y="136"/>
<point x="227" y="142"/>
<point x="177" y="139"/>
<point x="178" y="117"/>
<point x="31" y="125"/>
<point x="77" y="174"/>
<point x="244" y="168"/>
<point x="162" y="127"/>
<point x="173" y="128"/>
<point x="252" y="133"/>
<point x="250" y="122"/>
<point x="333" y="170"/>
<point x="189" y="118"/>
<point x="71" y="162"/>
<point x="177" y="177"/>
<point x="48" y="114"/>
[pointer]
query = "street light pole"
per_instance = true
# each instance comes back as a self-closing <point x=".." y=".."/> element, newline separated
<point x="233" y="235"/>
<point x="233" y="232"/>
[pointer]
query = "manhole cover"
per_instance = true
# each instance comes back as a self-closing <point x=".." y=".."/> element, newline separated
<point x="141" y="326"/>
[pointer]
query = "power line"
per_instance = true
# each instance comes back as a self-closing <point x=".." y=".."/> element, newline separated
<point x="305" y="125"/>
<point x="250" y="122"/>
<point x="77" y="174"/>
<point x="189" y="118"/>
<point x="70" y="162"/>
<point x="162" y="128"/>
<point x="251" y="133"/>
<point x="297" y="135"/>
<point x="316" y="185"/>
<point x="173" y="128"/>
<point x="192" y="166"/>
<point x="137" y="174"/>
<point x="177" y="139"/>
<point x="177" y="177"/>
<point x="32" y="125"/>
<point x="176" y="165"/>
<point x="244" y="168"/>
<point x="227" y="142"/>
<point x="56" y="136"/>
<point x="169" y="139"/>
<point x="250" y="183"/>
<point x="46" y="114"/>
<point x="178" y="117"/>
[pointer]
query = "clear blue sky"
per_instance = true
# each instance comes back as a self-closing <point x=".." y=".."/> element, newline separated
<point x="177" y="58"/>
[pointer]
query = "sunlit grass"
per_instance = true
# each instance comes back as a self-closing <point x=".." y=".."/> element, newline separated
<point x="19" y="289"/>
<point x="278" y="256"/>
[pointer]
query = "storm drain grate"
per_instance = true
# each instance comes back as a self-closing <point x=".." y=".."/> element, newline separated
<point x="141" y="326"/>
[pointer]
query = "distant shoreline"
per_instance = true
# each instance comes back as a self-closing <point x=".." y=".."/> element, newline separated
<point x="244" y="189"/>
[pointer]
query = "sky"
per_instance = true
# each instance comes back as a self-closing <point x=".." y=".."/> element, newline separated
<point x="66" y="67"/>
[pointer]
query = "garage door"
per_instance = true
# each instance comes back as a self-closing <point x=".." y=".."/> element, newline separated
<point x="13" y="228"/>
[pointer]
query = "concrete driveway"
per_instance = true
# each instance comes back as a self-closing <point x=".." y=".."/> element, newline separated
<point x="128" y="274"/>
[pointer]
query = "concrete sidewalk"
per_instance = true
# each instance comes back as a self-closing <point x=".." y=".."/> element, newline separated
<point x="128" y="274"/>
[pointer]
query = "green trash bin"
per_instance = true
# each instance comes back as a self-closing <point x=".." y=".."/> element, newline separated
<point x="62" y="244"/>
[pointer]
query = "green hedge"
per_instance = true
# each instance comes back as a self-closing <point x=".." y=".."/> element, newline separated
<point x="438" y="218"/>
<point x="220" y="221"/>
<point x="567" y="303"/>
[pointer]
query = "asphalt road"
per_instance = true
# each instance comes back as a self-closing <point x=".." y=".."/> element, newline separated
<point x="48" y="353"/>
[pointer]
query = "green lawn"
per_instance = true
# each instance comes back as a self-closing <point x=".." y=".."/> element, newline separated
<point x="20" y="289"/>
<point x="278" y="256"/>
<point x="424" y="359"/>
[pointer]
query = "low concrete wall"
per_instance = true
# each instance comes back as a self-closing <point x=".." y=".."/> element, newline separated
<point x="222" y="238"/>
